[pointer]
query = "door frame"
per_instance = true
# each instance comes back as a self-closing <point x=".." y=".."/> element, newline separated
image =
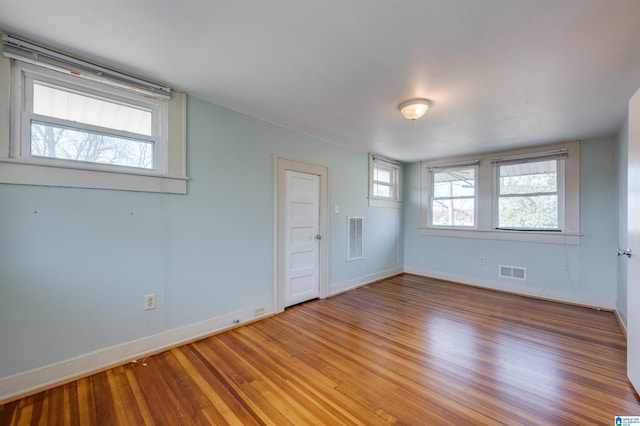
<point x="633" y="237"/>
<point x="282" y="165"/>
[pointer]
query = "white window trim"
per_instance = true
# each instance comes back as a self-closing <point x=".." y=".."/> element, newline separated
<point x="15" y="168"/>
<point x="486" y="195"/>
<point x="396" y="201"/>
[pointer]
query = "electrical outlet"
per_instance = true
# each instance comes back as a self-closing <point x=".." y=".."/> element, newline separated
<point x="149" y="301"/>
<point x="258" y="311"/>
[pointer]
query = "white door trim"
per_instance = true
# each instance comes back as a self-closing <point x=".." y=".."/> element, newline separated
<point x="283" y="164"/>
<point x="633" y="242"/>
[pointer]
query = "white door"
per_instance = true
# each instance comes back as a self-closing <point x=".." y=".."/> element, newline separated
<point x="633" y="238"/>
<point x="302" y="242"/>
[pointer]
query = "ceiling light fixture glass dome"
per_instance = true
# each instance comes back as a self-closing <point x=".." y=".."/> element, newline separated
<point x="414" y="108"/>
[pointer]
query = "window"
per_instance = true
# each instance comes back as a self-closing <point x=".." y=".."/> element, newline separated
<point x="526" y="195"/>
<point x="89" y="132"/>
<point x="384" y="182"/>
<point x="529" y="195"/>
<point x="453" y="196"/>
<point x="384" y="185"/>
<point x="66" y="122"/>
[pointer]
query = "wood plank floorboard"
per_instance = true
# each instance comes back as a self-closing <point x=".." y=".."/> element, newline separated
<point x="406" y="350"/>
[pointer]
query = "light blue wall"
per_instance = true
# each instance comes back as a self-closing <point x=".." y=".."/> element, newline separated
<point x="75" y="264"/>
<point x="587" y="271"/>
<point x="621" y="167"/>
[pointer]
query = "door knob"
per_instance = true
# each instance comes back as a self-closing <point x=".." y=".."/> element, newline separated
<point x="626" y="252"/>
<point x="318" y="237"/>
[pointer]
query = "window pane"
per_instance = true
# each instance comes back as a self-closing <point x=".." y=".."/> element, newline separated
<point x="532" y="212"/>
<point x="528" y="178"/>
<point x="454" y="183"/>
<point x="382" y="191"/>
<point x="78" y="145"/>
<point x="382" y="175"/>
<point x="453" y="212"/>
<point x="82" y="108"/>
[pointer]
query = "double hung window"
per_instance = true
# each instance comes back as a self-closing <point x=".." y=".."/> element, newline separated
<point x="77" y="124"/>
<point x="384" y="181"/>
<point x="64" y="121"/>
<point x="453" y="196"/>
<point x="529" y="194"/>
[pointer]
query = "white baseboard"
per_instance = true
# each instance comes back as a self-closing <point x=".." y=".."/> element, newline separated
<point x="526" y="290"/>
<point x="60" y="372"/>
<point x="365" y="279"/>
<point x="63" y="371"/>
<point x="622" y="320"/>
<point x="44" y="377"/>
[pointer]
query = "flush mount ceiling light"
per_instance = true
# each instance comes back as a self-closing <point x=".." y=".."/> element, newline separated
<point x="414" y="108"/>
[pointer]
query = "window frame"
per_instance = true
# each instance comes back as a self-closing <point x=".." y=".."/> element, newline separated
<point x="31" y="75"/>
<point x="560" y="193"/>
<point x="396" y="187"/>
<point x="20" y="167"/>
<point x="486" y="205"/>
<point x="431" y="188"/>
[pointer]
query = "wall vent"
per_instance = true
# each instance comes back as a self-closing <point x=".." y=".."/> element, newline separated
<point x="515" y="272"/>
<point x="354" y="238"/>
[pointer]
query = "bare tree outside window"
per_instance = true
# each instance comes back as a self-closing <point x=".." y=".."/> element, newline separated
<point x="96" y="129"/>
<point x="78" y="145"/>
<point x="528" y="196"/>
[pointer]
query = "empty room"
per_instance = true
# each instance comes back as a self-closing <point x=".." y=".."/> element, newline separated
<point x="295" y="212"/>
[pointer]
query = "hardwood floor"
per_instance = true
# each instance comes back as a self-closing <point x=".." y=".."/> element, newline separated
<point x="406" y="350"/>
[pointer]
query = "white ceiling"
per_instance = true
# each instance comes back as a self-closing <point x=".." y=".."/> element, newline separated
<point x="500" y="73"/>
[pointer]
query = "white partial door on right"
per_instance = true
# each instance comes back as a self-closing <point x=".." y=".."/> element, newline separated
<point x="633" y="240"/>
<point x="302" y="242"/>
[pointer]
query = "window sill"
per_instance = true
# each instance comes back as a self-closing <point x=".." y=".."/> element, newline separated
<point x="532" y="237"/>
<point x="377" y="202"/>
<point x="22" y="173"/>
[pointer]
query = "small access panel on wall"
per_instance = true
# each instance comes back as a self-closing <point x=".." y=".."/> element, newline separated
<point x="354" y="238"/>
